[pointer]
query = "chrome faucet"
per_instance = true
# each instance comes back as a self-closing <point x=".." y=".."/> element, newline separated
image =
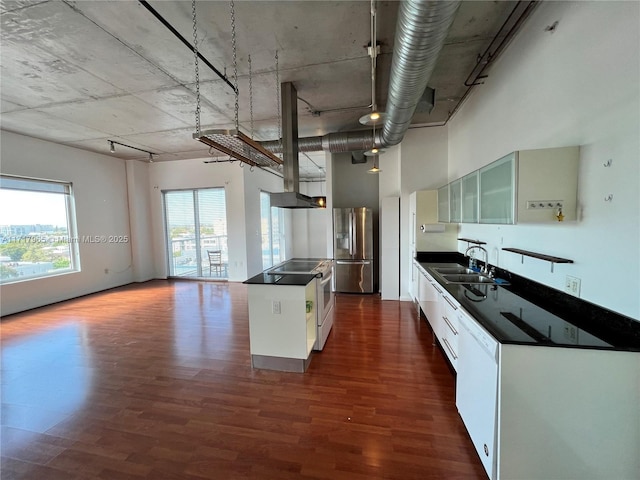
<point x="485" y="268"/>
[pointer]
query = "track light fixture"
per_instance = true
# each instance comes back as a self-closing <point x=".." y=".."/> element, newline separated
<point x="373" y="50"/>
<point x="113" y="143"/>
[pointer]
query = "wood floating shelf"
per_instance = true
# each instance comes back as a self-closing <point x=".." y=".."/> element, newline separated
<point x="539" y="256"/>
<point x="476" y="242"/>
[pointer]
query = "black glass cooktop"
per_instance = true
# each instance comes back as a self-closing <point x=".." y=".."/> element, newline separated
<point x="294" y="266"/>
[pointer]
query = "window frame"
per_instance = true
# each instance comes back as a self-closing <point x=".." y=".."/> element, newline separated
<point x="280" y="236"/>
<point x="40" y="185"/>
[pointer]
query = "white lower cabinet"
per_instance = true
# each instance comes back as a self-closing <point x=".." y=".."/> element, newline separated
<point x="449" y="310"/>
<point x="415" y="281"/>
<point x="539" y="413"/>
<point x="441" y="312"/>
<point x="428" y="298"/>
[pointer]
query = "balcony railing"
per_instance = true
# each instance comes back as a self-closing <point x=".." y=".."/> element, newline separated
<point x="184" y="257"/>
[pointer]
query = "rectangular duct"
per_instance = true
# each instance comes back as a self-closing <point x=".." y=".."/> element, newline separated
<point x="291" y="197"/>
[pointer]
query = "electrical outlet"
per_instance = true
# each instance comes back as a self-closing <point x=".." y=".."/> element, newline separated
<point x="572" y="286"/>
<point x="571" y="334"/>
<point x="276" y="307"/>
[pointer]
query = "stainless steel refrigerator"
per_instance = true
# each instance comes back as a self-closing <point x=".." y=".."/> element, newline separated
<point x="353" y="249"/>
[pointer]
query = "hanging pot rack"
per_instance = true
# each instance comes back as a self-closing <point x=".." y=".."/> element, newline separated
<point x="231" y="142"/>
<point x="240" y="146"/>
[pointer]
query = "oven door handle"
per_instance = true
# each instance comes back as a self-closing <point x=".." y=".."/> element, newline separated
<point x="326" y="279"/>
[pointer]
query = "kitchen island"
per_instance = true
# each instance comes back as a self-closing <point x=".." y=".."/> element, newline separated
<point x="547" y="385"/>
<point x="282" y="321"/>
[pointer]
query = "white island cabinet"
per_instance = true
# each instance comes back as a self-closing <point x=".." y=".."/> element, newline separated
<point x="539" y="413"/>
<point x="282" y="325"/>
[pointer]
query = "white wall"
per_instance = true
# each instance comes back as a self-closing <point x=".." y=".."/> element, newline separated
<point x="254" y="182"/>
<point x="578" y="85"/>
<point x="100" y="192"/>
<point x="196" y="174"/>
<point x="423" y="166"/>
<point x="309" y="225"/>
<point x="142" y="242"/>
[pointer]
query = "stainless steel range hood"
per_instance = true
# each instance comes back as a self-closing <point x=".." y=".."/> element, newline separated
<point x="291" y="197"/>
<point x="293" y="200"/>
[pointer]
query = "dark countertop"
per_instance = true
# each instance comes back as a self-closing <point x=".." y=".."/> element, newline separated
<point x="528" y="313"/>
<point x="265" y="279"/>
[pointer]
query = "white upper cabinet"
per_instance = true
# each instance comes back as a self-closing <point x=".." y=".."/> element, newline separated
<point x="497" y="190"/>
<point x="455" y="201"/>
<point x="528" y="186"/>
<point x="470" y="198"/>
<point x="547" y="183"/>
<point x="443" y="204"/>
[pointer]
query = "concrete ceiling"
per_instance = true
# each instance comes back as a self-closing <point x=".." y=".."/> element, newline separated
<point x="80" y="73"/>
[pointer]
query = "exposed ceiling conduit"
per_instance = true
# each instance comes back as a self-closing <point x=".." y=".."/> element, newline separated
<point x="420" y="33"/>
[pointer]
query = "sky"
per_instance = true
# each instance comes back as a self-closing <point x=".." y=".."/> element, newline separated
<point x="30" y="208"/>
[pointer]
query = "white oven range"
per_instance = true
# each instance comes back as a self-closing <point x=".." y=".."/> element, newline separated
<point x="325" y="298"/>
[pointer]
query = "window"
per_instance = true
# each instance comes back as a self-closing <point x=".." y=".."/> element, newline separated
<point x="37" y="229"/>
<point x="196" y="226"/>
<point x="270" y="222"/>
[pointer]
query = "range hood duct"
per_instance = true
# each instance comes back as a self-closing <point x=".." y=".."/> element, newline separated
<point x="293" y="200"/>
<point x="291" y="197"/>
<point x="421" y="30"/>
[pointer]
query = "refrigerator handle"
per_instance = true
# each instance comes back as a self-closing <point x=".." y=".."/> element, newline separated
<point x="351" y="231"/>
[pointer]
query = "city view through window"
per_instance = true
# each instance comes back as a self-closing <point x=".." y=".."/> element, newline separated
<point x="35" y="228"/>
<point x="196" y="226"/>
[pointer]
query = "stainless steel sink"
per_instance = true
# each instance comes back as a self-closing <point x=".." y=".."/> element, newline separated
<point x="458" y="274"/>
<point x="454" y="270"/>
<point x="474" y="278"/>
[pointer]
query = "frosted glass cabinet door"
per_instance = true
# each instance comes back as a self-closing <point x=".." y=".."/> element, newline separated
<point x="443" y="204"/>
<point x="455" y="201"/>
<point x="497" y="181"/>
<point x="470" y="198"/>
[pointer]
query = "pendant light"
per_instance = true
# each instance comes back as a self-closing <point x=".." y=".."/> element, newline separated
<point x="375" y="168"/>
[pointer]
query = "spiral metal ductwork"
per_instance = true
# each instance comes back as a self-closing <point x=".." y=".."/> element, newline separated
<point x="420" y="33"/>
<point x="331" y="142"/>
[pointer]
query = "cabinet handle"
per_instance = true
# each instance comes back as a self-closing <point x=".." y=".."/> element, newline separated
<point x="450" y="303"/>
<point x="455" y="357"/>
<point x="455" y="332"/>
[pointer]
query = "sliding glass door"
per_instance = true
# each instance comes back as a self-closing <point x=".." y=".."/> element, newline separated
<point x="196" y="229"/>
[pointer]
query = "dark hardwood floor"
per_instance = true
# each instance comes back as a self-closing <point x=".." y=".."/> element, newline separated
<point x="154" y="381"/>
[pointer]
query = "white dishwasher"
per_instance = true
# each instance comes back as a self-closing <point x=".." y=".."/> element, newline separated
<point x="477" y="388"/>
